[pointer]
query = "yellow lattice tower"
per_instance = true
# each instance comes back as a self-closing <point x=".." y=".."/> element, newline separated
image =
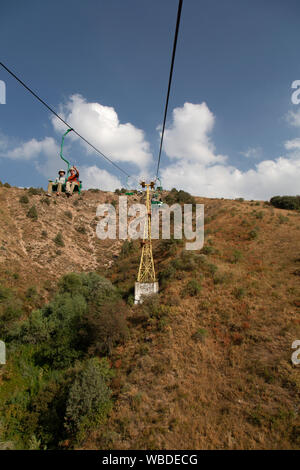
<point x="146" y="270"/>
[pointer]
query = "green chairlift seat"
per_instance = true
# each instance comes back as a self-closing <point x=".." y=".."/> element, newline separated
<point x="129" y="192"/>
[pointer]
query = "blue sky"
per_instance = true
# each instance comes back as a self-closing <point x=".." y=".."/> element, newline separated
<point x="235" y="63"/>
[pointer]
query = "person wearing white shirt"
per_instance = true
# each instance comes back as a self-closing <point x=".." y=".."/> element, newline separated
<point x="57" y="183"/>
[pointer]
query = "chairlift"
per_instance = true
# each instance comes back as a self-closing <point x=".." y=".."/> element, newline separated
<point x="129" y="192"/>
<point x="77" y="187"/>
<point x="156" y="198"/>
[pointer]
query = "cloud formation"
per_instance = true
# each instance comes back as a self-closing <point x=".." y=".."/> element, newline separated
<point x="199" y="170"/>
<point x="100" y="125"/>
<point x="94" y="177"/>
<point x="188" y="136"/>
<point x="29" y="150"/>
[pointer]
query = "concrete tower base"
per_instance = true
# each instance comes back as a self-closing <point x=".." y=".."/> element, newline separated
<point x="142" y="289"/>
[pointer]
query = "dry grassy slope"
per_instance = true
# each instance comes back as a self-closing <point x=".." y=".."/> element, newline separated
<point x="26" y="254"/>
<point x="238" y="388"/>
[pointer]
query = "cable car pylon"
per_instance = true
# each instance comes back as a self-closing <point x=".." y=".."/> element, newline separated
<point x="146" y="283"/>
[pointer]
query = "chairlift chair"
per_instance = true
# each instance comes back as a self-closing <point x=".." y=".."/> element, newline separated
<point x="77" y="187"/>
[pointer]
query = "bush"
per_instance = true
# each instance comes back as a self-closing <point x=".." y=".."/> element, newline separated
<point x="32" y="213"/>
<point x="239" y="292"/>
<point x="200" y="335"/>
<point x="105" y="327"/>
<point x="10" y="311"/>
<point x="35" y="191"/>
<point x="208" y="250"/>
<point x="236" y="256"/>
<point x="252" y="235"/>
<point x="45" y="200"/>
<point x="127" y="248"/>
<point x="7" y="185"/>
<point x="31" y="293"/>
<point x="69" y="214"/>
<point x="81" y="229"/>
<point x="24" y="199"/>
<point x="286" y="202"/>
<point x="58" y="240"/>
<point x="89" y="399"/>
<point x="192" y="288"/>
<point x="181" y="197"/>
<point x="282" y="219"/>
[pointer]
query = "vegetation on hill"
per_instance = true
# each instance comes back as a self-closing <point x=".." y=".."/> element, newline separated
<point x="55" y="388"/>
<point x="205" y="364"/>
<point x="286" y="202"/>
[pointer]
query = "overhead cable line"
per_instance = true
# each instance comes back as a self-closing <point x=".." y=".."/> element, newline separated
<point x="170" y="81"/>
<point x="62" y="120"/>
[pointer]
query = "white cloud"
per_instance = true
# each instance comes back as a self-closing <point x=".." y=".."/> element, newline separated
<point x="188" y="136"/>
<point x="252" y="152"/>
<point x="292" y="144"/>
<point x="29" y="150"/>
<point x="293" y="118"/>
<point x="100" y="125"/>
<point x="201" y="172"/>
<point x="94" y="177"/>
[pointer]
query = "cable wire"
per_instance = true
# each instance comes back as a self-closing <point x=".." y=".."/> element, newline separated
<point x="170" y="81"/>
<point x="62" y="120"/>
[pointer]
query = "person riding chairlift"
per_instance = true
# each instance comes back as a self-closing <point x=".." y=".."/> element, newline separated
<point x="72" y="181"/>
<point x="57" y="183"/>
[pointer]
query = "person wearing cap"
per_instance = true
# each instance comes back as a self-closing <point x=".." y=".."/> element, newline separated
<point x="57" y="183"/>
<point x="72" y="181"/>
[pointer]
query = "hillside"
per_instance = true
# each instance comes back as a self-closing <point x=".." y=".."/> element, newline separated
<point x="207" y="365"/>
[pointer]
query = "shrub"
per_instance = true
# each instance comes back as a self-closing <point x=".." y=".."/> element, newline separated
<point x="181" y="197"/>
<point x="192" y="288"/>
<point x="286" y="202"/>
<point x="211" y="268"/>
<point x="222" y="278"/>
<point x="89" y="398"/>
<point x="58" y="240"/>
<point x="24" y="199"/>
<point x="31" y="293"/>
<point x="239" y="292"/>
<point x="45" y="200"/>
<point x="127" y="248"/>
<point x="10" y="311"/>
<point x="35" y="191"/>
<point x="239" y="199"/>
<point x="44" y="234"/>
<point x="185" y="262"/>
<point x="32" y="213"/>
<point x="236" y="256"/>
<point x="81" y="229"/>
<point x="252" y="235"/>
<point x="208" y="250"/>
<point x="7" y="185"/>
<point x="200" y="335"/>
<point x="282" y="219"/>
<point x="166" y="275"/>
<point x="105" y="327"/>
<point x="69" y="214"/>
<point x="259" y="215"/>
